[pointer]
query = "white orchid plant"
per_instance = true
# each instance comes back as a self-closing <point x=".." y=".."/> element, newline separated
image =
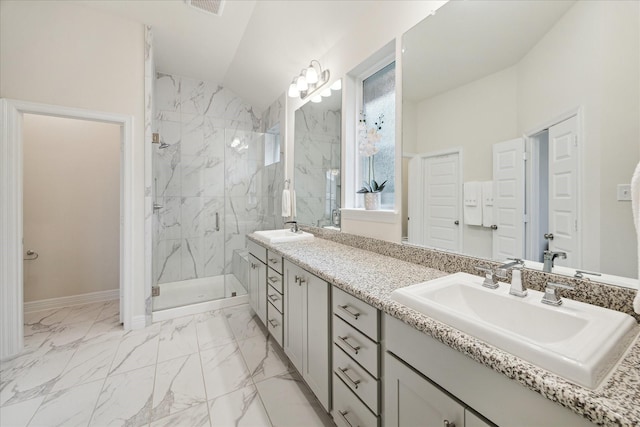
<point x="368" y="139"/>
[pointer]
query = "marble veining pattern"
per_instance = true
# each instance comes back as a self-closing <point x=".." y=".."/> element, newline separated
<point x="371" y="269"/>
<point x="205" y="370"/>
<point x="214" y="164"/>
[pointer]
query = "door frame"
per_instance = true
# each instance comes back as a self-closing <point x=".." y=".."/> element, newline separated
<point x="11" y="213"/>
<point x="531" y="190"/>
<point x="417" y="191"/>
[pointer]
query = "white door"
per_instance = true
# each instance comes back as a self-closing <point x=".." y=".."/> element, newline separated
<point x="442" y="202"/>
<point x="508" y="199"/>
<point x="563" y="192"/>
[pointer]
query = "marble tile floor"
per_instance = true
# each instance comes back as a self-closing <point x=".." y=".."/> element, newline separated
<point x="79" y="368"/>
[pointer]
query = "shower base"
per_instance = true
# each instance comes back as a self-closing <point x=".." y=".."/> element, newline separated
<point x="197" y="296"/>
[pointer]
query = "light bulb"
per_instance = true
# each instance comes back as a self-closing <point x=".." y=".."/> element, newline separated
<point x="312" y="74"/>
<point x="301" y="84"/>
<point x="316" y="99"/>
<point x="235" y="142"/>
<point x="293" y="90"/>
<point x="326" y="92"/>
<point x="337" y="85"/>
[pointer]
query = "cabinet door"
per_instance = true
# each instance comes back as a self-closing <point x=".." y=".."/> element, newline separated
<point x="411" y="400"/>
<point x="261" y="299"/>
<point x="258" y="287"/>
<point x="317" y="358"/>
<point x="294" y="314"/>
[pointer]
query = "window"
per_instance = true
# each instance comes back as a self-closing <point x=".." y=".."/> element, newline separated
<point x="379" y="106"/>
<point x="272" y="146"/>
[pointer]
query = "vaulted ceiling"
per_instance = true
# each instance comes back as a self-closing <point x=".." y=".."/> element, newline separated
<point x="254" y="48"/>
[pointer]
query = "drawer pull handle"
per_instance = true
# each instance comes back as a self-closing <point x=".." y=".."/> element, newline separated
<point x="273" y="279"/>
<point x="273" y="297"/>
<point x="343" y="414"/>
<point x="353" y="348"/>
<point x="273" y="323"/>
<point x="273" y="260"/>
<point x="351" y="380"/>
<point x="448" y="423"/>
<point x="345" y="308"/>
<point x="300" y="280"/>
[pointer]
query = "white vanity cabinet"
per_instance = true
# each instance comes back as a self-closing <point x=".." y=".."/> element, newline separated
<point x="258" y="280"/>
<point x="306" y="328"/>
<point x="356" y="362"/>
<point x="424" y="377"/>
<point x="413" y="400"/>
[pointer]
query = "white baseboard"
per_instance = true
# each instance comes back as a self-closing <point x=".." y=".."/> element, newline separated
<point x="57" y="303"/>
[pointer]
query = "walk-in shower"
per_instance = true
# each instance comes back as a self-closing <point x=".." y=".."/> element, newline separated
<point x="215" y="180"/>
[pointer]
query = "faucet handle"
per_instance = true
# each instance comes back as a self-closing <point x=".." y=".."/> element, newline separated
<point x="551" y="296"/>
<point x="580" y="274"/>
<point x="489" y="276"/>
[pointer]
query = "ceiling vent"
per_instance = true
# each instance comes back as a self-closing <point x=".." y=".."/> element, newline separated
<point x="213" y="7"/>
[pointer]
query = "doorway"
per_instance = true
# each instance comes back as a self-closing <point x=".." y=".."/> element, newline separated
<point x="71" y="210"/>
<point x="435" y="204"/>
<point x="11" y="214"/>
<point x="554" y="192"/>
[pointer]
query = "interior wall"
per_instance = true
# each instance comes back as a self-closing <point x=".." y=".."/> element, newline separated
<point x="71" y="206"/>
<point x="63" y="53"/>
<point x="473" y="117"/>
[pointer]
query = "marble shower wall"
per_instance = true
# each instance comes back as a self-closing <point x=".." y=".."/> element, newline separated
<point x="212" y="166"/>
<point x="317" y="162"/>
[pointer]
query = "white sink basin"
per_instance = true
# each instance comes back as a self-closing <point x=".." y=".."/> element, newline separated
<point x="580" y="342"/>
<point x="282" y="236"/>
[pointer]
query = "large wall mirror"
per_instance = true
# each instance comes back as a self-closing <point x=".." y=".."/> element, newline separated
<point x="317" y="161"/>
<point x="521" y="131"/>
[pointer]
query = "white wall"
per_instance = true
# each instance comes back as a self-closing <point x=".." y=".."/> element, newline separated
<point x="474" y="117"/>
<point x="65" y="54"/>
<point x="387" y="20"/>
<point x="71" y="206"/>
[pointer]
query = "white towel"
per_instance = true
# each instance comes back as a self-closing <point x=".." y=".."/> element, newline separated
<point x="487" y="203"/>
<point x="472" y="205"/>
<point x="635" y="206"/>
<point x="286" y="203"/>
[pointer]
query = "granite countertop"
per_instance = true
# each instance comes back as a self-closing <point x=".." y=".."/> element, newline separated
<point x="372" y="277"/>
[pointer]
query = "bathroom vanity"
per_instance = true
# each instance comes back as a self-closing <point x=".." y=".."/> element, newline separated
<point x="376" y="362"/>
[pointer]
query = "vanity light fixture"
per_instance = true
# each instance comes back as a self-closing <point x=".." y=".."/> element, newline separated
<point x="316" y="99"/>
<point x="326" y="92"/>
<point x="310" y="81"/>
<point x="337" y="85"/>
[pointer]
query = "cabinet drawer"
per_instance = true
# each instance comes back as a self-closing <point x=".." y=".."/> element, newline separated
<point x="258" y="251"/>
<point x="359" y="381"/>
<point x="275" y="279"/>
<point x="348" y="410"/>
<point x="274" y="261"/>
<point x="357" y="313"/>
<point x="356" y="345"/>
<point x="274" y="323"/>
<point x="275" y="298"/>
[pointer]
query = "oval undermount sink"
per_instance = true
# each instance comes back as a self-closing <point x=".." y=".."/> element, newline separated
<point x="578" y="341"/>
<point x="282" y="236"/>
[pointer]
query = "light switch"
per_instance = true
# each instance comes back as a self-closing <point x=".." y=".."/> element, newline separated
<point x="624" y="192"/>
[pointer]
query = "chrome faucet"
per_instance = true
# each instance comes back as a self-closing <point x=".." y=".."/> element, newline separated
<point x="549" y="257"/>
<point x="517" y="288"/>
<point x="294" y="226"/>
<point x="489" y="277"/>
<point x="551" y="296"/>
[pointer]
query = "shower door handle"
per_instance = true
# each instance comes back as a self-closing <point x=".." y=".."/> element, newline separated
<point x="217" y="222"/>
